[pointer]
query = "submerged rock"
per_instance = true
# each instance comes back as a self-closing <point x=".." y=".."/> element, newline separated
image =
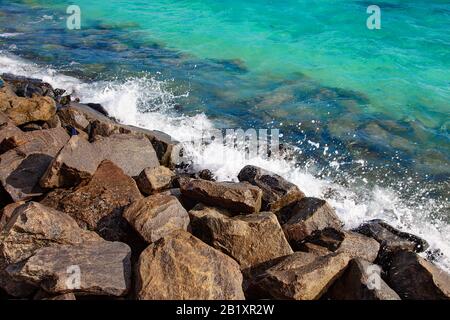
<point x="197" y="271"/>
<point x="236" y="197"/>
<point x="249" y="239"/>
<point x="277" y="192"/>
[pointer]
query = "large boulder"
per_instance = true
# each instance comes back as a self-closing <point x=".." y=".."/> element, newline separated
<point x="23" y="166"/>
<point x="23" y="110"/>
<point x="154" y="179"/>
<point x="28" y="87"/>
<point x="100" y="268"/>
<point x="300" y="276"/>
<point x="361" y="281"/>
<point x="73" y="118"/>
<point x="249" y="239"/>
<point x="182" y="267"/>
<point x="354" y="244"/>
<point x="157" y="216"/>
<point x="277" y="192"/>
<point x="236" y="197"/>
<point x="415" y="278"/>
<point x="98" y="204"/>
<point x="307" y="216"/>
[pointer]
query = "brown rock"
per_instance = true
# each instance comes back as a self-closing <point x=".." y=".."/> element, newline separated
<point x="152" y="180"/>
<point x="196" y="272"/>
<point x="354" y="244"/>
<point x="22" y="167"/>
<point x="277" y="192"/>
<point x="157" y="216"/>
<point x="300" y="276"/>
<point x="98" y="205"/>
<point x="361" y="281"/>
<point x="249" y="239"/>
<point x="237" y="197"/>
<point x="66" y="296"/>
<point x="100" y="268"/>
<point x="307" y="216"/>
<point x="73" y="118"/>
<point x="414" y="278"/>
<point x="9" y="130"/>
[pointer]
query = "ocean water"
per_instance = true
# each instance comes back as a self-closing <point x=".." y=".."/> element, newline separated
<point x="368" y="111"/>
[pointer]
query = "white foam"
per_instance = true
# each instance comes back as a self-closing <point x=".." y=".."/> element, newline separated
<point x="147" y="103"/>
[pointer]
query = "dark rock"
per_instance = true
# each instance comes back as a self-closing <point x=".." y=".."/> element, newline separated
<point x="28" y="87"/>
<point x="196" y="272"/>
<point x="277" y="192"/>
<point x="206" y="174"/>
<point x="156" y="216"/>
<point x="249" y="239"/>
<point x="237" y="197"/>
<point x="414" y="278"/>
<point x="307" y="216"/>
<point x="361" y="281"/>
<point x="154" y="179"/>
<point x="98" y="107"/>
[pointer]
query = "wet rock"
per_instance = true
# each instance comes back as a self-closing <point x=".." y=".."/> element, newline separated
<point x="197" y="272"/>
<point x="23" y="110"/>
<point x="300" y="276"/>
<point x="28" y="87"/>
<point x="98" y="107"/>
<point x="104" y="269"/>
<point x="237" y="197"/>
<point x="206" y="174"/>
<point x="414" y="278"/>
<point x="157" y="216"/>
<point x="98" y="204"/>
<point x="391" y="240"/>
<point x="354" y="244"/>
<point x="307" y="216"/>
<point x="152" y="180"/>
<point x="361" y="281"/>
<point x="277" y="192"/>
<point x="249" y="239"/>
<point x="22" y="167"/>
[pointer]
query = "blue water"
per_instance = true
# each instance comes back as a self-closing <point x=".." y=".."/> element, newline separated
<point x="368" y="109"/>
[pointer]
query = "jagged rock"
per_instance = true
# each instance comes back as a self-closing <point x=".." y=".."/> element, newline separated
<point x="391" y="240"/>
<point x="307" y="216"/>
<point x="157" y="216"/>
<point x="361" y="281"/>
<point x="73" y="118"/>
<point x="354" y="244"/>
<point x="22" y="167"/>
<point x="22" y="110"/>
<point x="277" y="192"/>
<point x="249" y="239"/>
<point x="98" y="204"/>
<point x="205" y="174"/>
<point x="414" y="278"/>
<point x="28" y="87"/>
<point x="79" y="159"/>
<point x="300" y="276"/>
<point x="314" y="249"/>
<point x="197" y="271"/>
<point x="237" y="197"/>
<point x="100" y="268"/>
<point x="7" y="131"/>
<point x="152" y="180"/>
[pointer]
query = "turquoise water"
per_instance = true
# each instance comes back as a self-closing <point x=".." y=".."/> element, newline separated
<point x="369" y="110"/>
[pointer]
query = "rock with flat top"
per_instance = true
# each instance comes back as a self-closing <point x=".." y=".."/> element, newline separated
<point x="154" y="179"/>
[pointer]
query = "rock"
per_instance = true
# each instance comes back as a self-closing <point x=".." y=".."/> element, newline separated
<point x="277" y="192"/>
<point x="154" y="179"/>
<point x="391" y="240"/>
<point x="414" y="278"/>
<point x="98" y="205"/>
<point x="73" y="118"/>
<point x="196" y="272"/>
<point x="9" y="130"/>
<point x="361" y="281"/>
<point x="157" y="216"/>
<point x="28" y="87"/>
<point x="100" y="268"/>
<point x="249" y="239"/>
<point x="66" y="296"/>
<point x="354" y="244"/>
<point x="205" y="174"/>
<point x="54" y="122"/>
<point x="79" y="159"/>
<point x="307" y="216"/>
<point x="237" y="197"/>
<point x="22" y="167"/>
<point x="98" y="107"/>
<point x="300" y="276"/>
<point x="23" y="110"/>
<point x="31" y="126"/>
<point x="76" y="162"/>
<point x="314" y="249"/>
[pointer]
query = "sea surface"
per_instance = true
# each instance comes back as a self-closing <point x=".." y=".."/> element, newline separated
<point x="367" y="111"/>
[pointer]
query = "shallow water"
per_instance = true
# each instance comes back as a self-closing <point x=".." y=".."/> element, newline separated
<point x="367" y="109"/>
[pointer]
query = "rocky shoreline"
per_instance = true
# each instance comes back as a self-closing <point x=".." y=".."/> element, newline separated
<point x="93" y="208"/>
